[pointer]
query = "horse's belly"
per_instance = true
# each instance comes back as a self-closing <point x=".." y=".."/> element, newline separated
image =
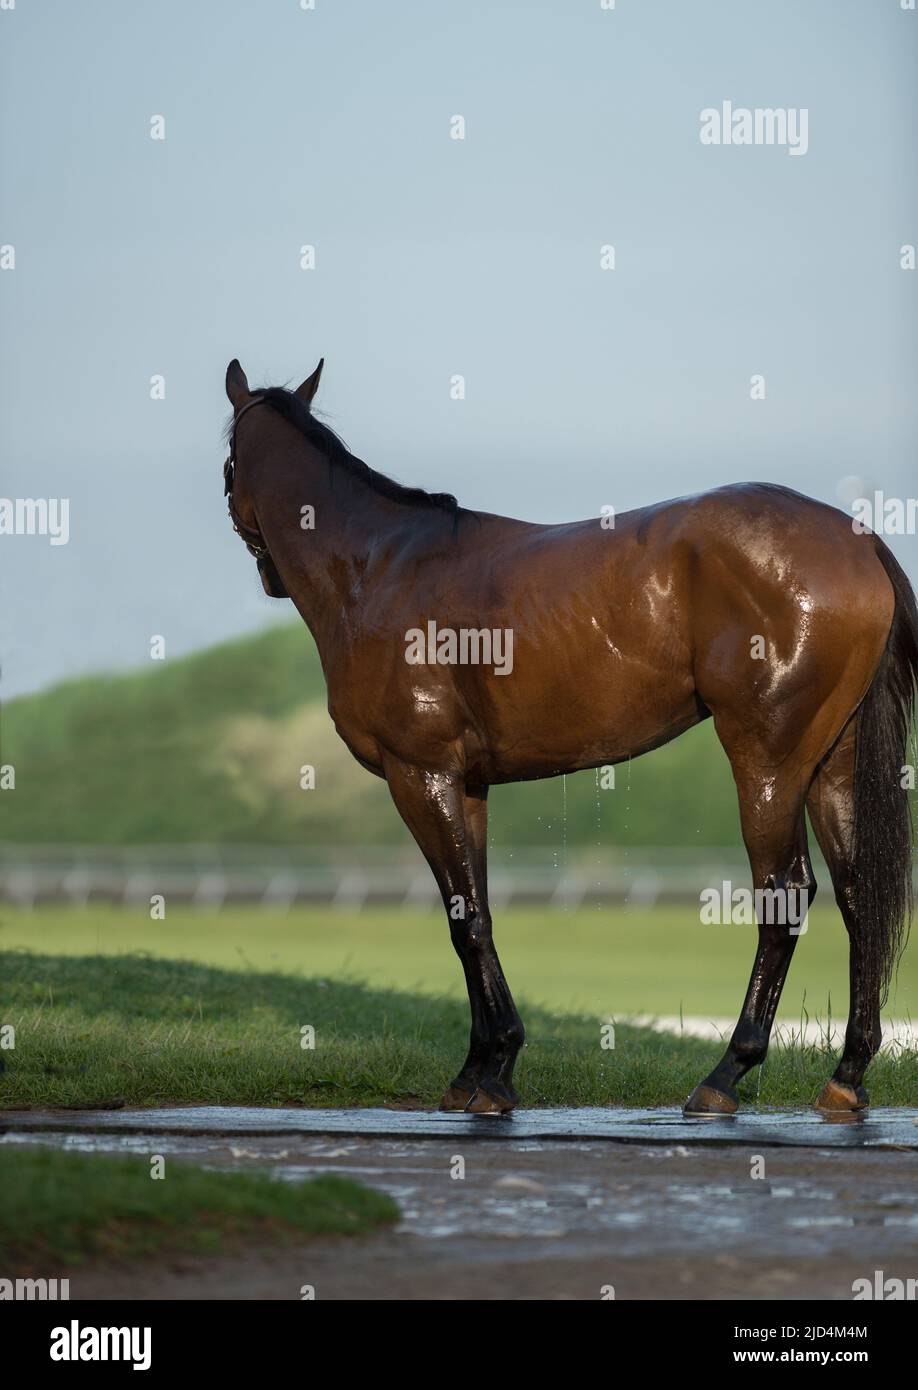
<point x="575" y="729"/>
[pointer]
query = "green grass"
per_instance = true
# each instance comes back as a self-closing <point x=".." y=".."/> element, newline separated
<point x="94" y="1029"/>
<point x="57" y="1209"/>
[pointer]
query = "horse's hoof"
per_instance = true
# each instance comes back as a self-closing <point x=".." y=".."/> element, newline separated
<point x="456" y="1098"/>
<point x="835" y="1095"/>
<point x="497" y="1101"/>
<point x="707" y="1101"/>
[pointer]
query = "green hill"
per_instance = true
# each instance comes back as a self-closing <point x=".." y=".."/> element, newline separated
<point x="208" y="749"/>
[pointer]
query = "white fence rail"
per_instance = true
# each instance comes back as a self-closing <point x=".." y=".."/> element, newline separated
<point x="212" y="877"/>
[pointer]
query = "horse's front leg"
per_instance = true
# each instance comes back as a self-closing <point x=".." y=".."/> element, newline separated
<point x="449" y="822"/>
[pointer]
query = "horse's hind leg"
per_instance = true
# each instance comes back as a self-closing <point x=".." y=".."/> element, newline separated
<point x="774" y="832"/>
<point x="831" y="807"/>
<point x="449" y="823"/>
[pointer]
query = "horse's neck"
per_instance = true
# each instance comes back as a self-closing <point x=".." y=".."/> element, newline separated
<point x="319" y="530"/>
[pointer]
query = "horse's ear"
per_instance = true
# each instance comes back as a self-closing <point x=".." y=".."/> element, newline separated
<point x="237" y="387"/>
<point x="311" y="385"/>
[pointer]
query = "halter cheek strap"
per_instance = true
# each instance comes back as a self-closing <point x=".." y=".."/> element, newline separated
<point x="249" y="534"/>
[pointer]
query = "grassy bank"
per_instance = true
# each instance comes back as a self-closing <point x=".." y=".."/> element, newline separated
<point x="128" y="1029"/>
<point x="57" y="1209"/>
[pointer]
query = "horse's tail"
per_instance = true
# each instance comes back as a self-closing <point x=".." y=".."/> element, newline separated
<point x="882" y="809"/>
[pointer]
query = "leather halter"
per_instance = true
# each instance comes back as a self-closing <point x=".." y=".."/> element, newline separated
<point x="253" y="538"/>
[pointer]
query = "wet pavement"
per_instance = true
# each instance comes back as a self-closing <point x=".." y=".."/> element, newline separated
<point x="896" y="1128"/>
<point x="761" y="1206"/>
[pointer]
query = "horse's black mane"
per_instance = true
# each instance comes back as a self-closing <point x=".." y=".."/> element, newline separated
<point x="325" y="439"/>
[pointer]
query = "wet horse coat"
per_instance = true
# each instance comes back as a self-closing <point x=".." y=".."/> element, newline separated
<point x="752" y="605"/>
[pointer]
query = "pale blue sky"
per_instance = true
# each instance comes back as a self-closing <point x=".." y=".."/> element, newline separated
<point x="434" y="257"/>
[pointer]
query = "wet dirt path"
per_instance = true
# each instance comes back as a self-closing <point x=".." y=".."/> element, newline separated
<point x="509" y="1210"/>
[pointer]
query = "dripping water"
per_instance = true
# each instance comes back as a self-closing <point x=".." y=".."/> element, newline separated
<point x="564" y="818"/>
<point x="626" y="847"/>
<point x="598" y="844"/>
<point x="564" y="825"/>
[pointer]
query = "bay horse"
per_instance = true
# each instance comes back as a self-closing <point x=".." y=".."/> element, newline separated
<point x="771" y="613"/>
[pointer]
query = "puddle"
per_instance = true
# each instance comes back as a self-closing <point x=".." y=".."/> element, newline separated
<point x="879" y="1128"/>
<point x="563" y="1196"/>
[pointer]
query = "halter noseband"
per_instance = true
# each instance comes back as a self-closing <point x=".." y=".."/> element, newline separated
<point x="252" y="538"/>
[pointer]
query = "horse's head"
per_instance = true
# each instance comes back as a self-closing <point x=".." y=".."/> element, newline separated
<point x="241" y="504"/>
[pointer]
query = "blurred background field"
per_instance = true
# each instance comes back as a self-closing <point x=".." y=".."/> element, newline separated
<point x="616" y="962"/>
